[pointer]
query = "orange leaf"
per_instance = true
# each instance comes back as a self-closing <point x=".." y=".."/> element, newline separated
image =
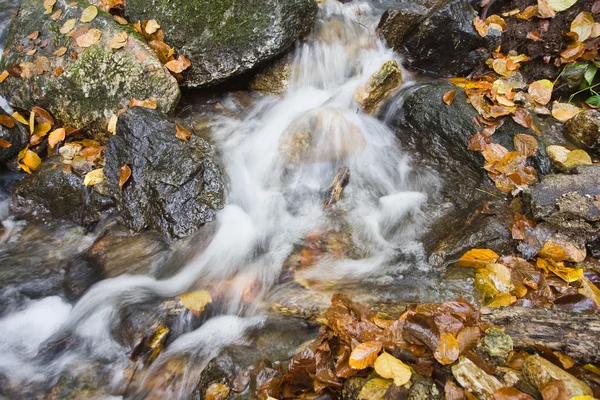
<point x="572" y="53"/>
<point x="7" y="121"/>
<point x="5" y="144"/>
<point x="477" y="258"/>
<point x="541" y="91"/>
<point x="522" y="117"/>
<point x="526" y="145"/>
<point x="124" y="174"/>
<point x="179" y="65"/>
<point x="364" y="355"/>
<point x="56" y="136"/>
<point x="3" y="76"/>
<point x="449" y="97"/>
<point x="148" y="103"/>
<point x="447" y="351"/>
<point x="182" y="133"/>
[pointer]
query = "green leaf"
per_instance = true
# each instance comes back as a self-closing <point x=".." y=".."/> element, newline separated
<point x="594" y="101"/>
<point x="590" y="74"/>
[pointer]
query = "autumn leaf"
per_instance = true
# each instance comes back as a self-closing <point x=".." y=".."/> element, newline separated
<point x="178" y="65"/>
<point x="217" y="391"/>
<point x="564" y="111"/>
<point x="68" y="26"/>
<point x="18" y="117"/>
<point x="94" y="177"/>
<point x="56" y="15"/>
<point x="56" y="136"/>
<point x="33" y="35"/>
<point x="48" y="4"/>
<point x="364" y="355"/>
<point x="577" y="157"/>
<point x="42" y="129"/>
<point x="196" y="301"/>
<point x="3" y="76"/>
<point x="5" y="144"/>
<point x="522" y="117"/>
<point x="89" y="14"/>
<point x="28" y="160"/>
<point x="182" y="133"/>
<point x="449" y="97"/>
<point x="31" y="122"/>
<point x="477" y="258"/>
<point x="572" y="52"/>
<point x="89" y="38"/>
<point x="374" y="389"/>
<point x="535" y="36"/>
<point x="42" y="115"/>
<point x="112" y="124"/>
<point x="389" y="367"/>
<point x="510" y="393"/>
<point x="152" y="26"/>
<point x="526" y="144"/>
<point x="124" y="174"/>
<point x="502" y="300"/>
<point x="561" y="5"/>
<point x="60" y="51"/>
<point x="582" y="25"/>
<point x="120" y="20"/>
<point x="480" y="26"/>
<point x="148" y="103"/>
<point x="448" y="350"/>
<point x="119" y="40"/>
<point x="541" y="91"/>
<point x="7" y="121"/>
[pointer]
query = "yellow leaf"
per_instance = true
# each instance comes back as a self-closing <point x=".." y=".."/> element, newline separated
<point x="588" y="289"/>
<point x="179" y="65"/>
<point x="119" y="40"/>
<point x="582" y="25"/>
<point x="561" y="5"/>
<point x="30" y="161"/>
<point x="364" y="355"/>
<point x="94" y="177"/>
<point x="148" y="103"/>
<point x="477" y="258"/>
<point x="68" y="26"/>
<point x="42" y="129"/>
<point x="152" y="26"/>
<point x="89" y="14"/>
<point x="578" y="157"/>
<point x="502" y="300"/>
<point x="564" y="111"/>
<point x="196" y="301"/>
<point x="541" y="91"/>
<point x="374" y="389"/>
<point x="592" y="368"/>
<point x="3" y="76"/>
<point x="217" y="391"/>
<point x="583" y="397"/>
<point x="389" y="367"/>
<point x="18" y="117"/>
<point x="56" y="136"/>
<point x="448" y="350"/>
<point x="31" y="122"/>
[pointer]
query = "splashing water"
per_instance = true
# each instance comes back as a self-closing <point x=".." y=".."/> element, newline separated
<point x="279" y="162"/>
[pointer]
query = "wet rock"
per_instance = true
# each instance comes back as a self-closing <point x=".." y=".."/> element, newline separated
<point x="474" y="379"/>
<point x="402" y="16"/>
<point x="497" y="344"/>
<point x="379" y="87"/>
<point x="273" y="78"/>
<point x="83" y="87"/>
<point x="17" y="137"/>
<point x="539" y="372"/>
<point x="444" y="42"/>
<point x="175" y="185"/>
<point x="224" y="38"/>
<point x="584" y="129"/>
<point x="567" y="199"/>
<point x="56" y="191"/>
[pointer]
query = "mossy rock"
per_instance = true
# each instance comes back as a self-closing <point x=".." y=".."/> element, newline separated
<point x="83" y="87"/>
<point x="224" y="38"/>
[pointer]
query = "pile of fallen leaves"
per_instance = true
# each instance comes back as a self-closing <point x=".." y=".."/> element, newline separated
<point x="361" y="354"/>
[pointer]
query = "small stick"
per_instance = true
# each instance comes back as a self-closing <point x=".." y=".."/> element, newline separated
<point x="335" y="190"/>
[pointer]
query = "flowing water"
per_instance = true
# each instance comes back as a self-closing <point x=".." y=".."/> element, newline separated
<point x="279" y="161"/>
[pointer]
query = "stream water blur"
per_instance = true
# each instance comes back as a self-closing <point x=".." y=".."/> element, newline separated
<point x="279" y="161"/>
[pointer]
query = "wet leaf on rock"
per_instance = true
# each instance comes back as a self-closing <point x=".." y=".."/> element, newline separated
<point x="525" y="144"/>
<point x="5" y="144"/>
<point x="94" y="177"/>
<point x="56" y="136"/>
<point x="7" y="121"/>
<point x="119" y="40"/>
<point x="578" y="157"/>
<point x="124" y="174"/>
<point x="68" y="26"/>
<point x="112" y="124"/>
<point x="389" y="367"/>
<point x="510" y="393"/>
<point x="60" y="51"/>
<point x="217" y="391"/>
<point x="564" y="111"/>
<point x="148" y="103"/>
<point x="365" y="354"/>
<point x="477" y="258"/>
<point x="541" y="91"/>
<point x="522" y="117"/>
<point x="178" y="65"/>
<point x="88" y="14"/>
<point x="28" y="160"/>
<point x="196" y="301"/>
<point x="19" y="118"/>
<point x="42" y="115"/>
<point x="449" y="97"/>
<point x="182" y="133"/>
<point x="152" y="26"/>
<point x="448" y="350"/>
<point x="120" y="20"/>
<point x="89" y="38"/>
<point x="3" y="76"/>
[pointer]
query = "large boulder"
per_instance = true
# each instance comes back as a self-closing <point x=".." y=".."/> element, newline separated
<point x="12" y="140"/>
<point x="224" y="38"/>
<point x="400" y="17"/>
<point x="584" y="129"/>
<point x="443" y="42"/>
<point x="85" y="85"/>
<point x="175" y="185"/>
<point x="56" y="191"/>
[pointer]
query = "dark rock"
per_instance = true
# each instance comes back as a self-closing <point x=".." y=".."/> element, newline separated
<point x="17" y="136"/>
<point x="444" y="42"/>
<point x="224" y="38"/>
<point x="175" y="186"/>
<point x="567" y="200"/>
<point x="273" y="78"/>
<point x="55" y="191"/>
<point x="584" y="129"/>
<point x="90" y="88"/>
<point x="401" y="17"/>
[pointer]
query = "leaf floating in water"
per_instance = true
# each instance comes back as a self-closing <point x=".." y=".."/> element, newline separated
<point x="89" y="14"/>
<point x="389" y="367"/>
<point x="217" y="391"/>
<point x="178" y="65"/>
<point x="449" y="97"/>
<point x="182" y="133"/>
<point x="56" y="136"/>
<point x="365" y="354"/>
<point x="124" y="174"/>
<point x="94" y="177"/>
<point x="477" y="258"/>
<point x="196" y="301"/>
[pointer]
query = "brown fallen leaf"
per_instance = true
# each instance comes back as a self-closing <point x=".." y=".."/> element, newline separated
<point x="42" y="115"/>
<point x="124" y="174"/>
<point x="480" y="26"/>
<point x="525" y="144"/>
<point x="449" y="97"/>
<point x="365" y="354"/>
<point x="56" y="15"/>
<point x="178" y="65"/>
<point x="510" y="393"/>
<point x="7" y="121"/>
<point x="148" y="103"/>
<point x="522" y="117"/>
<point x="28" y="160"/>
<point x="33" y="35"/>
<point x="572" y="52"/>
<point x="535" y="36"/>
<point x="448" y="350"/>
<point x="5" y="144"/>
<point x="120" y="20"/>
<point x="60" y="51"/>
<point x="182" y="133"/>
<point x="564" y="111"/>
<point x="119" y="40"/>
<point x="56" y="136"/>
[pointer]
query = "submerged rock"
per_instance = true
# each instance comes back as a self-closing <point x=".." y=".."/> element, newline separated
<point x="17" y="137"/>
<point x="379" y="87"/>
<point x="175" y="185"/>
<point x="444" y="42"/>
<point x="56" y="191"/>
<point x="224" y="38"/>
<point x="87" y="82"/>
<point x="584" y="129"/>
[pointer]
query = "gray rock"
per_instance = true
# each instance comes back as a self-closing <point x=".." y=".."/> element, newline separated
<point x="98" y="83"/>
<point x="224" y="38"/>
<point x="584" y="129"/>
<point x="17" y="136"/>
<point x="175" y="186"/>
<point x="56" y="191"/>
<point x="401" y="17"/>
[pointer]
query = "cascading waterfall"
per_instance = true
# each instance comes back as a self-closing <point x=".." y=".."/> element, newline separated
<point x="279" y="162"/>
